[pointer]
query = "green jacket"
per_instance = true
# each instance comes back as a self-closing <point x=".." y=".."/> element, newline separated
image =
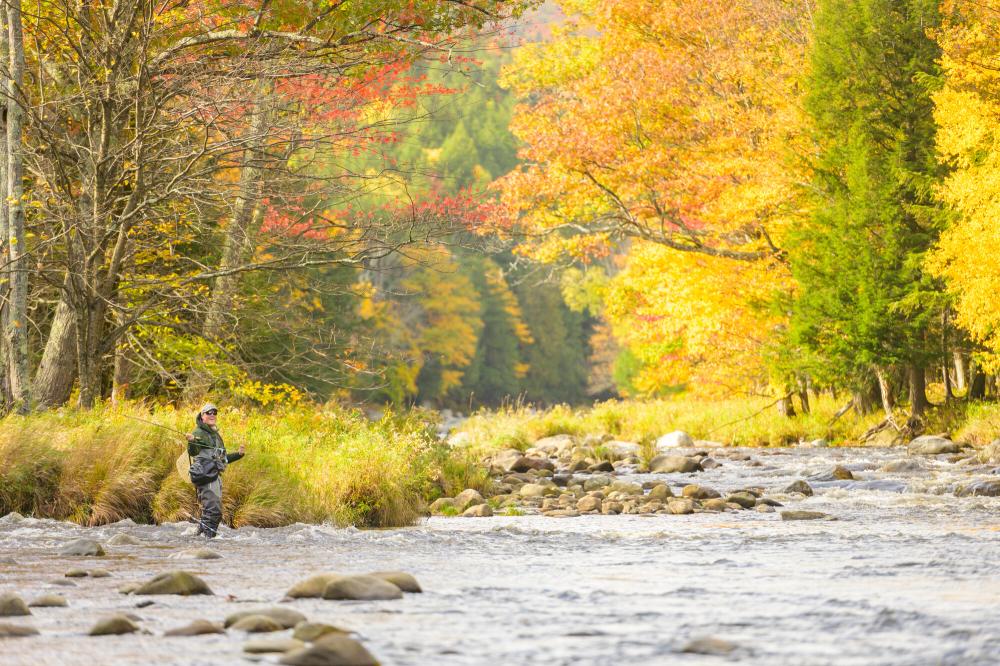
<point x="208" y="442"/>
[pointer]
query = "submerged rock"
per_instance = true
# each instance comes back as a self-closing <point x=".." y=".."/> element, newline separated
<point x="256" y="624"/>
<point x="331" y="650"/>
<point x="361" y="588"/>
<point x="312" y="587"/>
<point x="804" y="515"/>
<point x="196" y="628"/>
<point x="83" y="548"/>
<point x="8" y="630"/>
<point x="404" y="581"/>
<point x="12" y="605"/>
<point x="286" y="618"/>
<point x="930" y="445"/>
<point x="272" y="645"/>
<point x="197" y="554"/>
<point x="100" y="573"/>
<point x="114" y="625"/>
<point x="989" y="488"/>
<point x="48" y="601"/>
<point x="799" y="486"/>
<point x="709" y="646"/>
<point x="312" y="631"/>
<point x="123" y="540"/>
<point x="76" y="573"/>
<point x="174" y="582"/>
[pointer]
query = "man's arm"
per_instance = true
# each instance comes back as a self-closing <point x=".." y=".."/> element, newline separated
<point x="233" y="457"/>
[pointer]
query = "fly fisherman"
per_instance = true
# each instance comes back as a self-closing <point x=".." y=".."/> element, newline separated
<point x="208" y="460"/>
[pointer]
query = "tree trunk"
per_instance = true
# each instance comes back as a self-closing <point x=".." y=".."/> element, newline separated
<point x="803" y="394"/>
<point x="57" y="370"/>
<point x="5" y="394"/>
<point x="918" y="391"/>
<point x="17" y="323"/>
<point x="785" y="406"/>
<point x="959" y="370"/>
<point x="885" y="392"/>
<point x="977" y="383"/>
<point x="122" y="375"/>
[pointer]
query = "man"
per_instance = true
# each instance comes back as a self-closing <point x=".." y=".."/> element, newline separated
<point x="206" y="448"/>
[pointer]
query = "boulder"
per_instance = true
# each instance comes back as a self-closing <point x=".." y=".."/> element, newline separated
<point x="174" y="582"/>
<point x="331" y="650"/>
<point x="82" y="548"/>
<point x="442" y="505"/>
<point x="100" y="573"/>
<point x="931" y="445"/>
<point x="478" y="511"/>
<point x="196" y="554"/>
<point x="312" y="587"/>
<point x="361" y="588"/>
<point x="621" y="449"/>
<point x="404" y="581"/>
<point x="842" y="474"/>
<point x="506" y="459"/>
<point x="799" y="486"/>
<point x="710" y="463"/>
<point x="256" y="624"/>
<point x="114" y="625"/>
<point x="625" y="488"/>
<point x="313" y="631"/>
<point x="127" y="588"/>
<point x="765" y="508"/>
<point x="467" y="498"/>
<point x="603" y="466"/>
<point x="680" y="506"/>
<point x="196" y="628"/>
<point x="76" y="573"/>
<point x="611" y="508"/>
<point x="596" y="482"/>
<point x="123" y="540"/>
<point x="48" y="601"/>
<point x="556" y="445"/>
<point x="743" y="499"/>
<point x="272" y="645"/>
<point x="672" y="464"/>
<point x="804" y="515"/>
<point x="536" y="490"/>
<point x="988" y="488"/>
<point x="579" y="466"/>
<point x="286" y="618"/>
<point x="697" y="492"/>
<point x="715" y="504"/>
<point x="8" y="630"/>
<point x="524" y="464"/>
<point x="12" y="605"/>
<point x="589" y="503"/>
<point x="990" y="453"/>
<point x="677" y="439"/>
<point x="660" y="492"/>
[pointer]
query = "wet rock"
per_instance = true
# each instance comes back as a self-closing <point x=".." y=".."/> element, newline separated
<point x="765" y="508"/>
<point x="114" y="625"/>
<point x="442" y="505"/>
<point x="82" y="548"/>
<point x="743" y="499"/>
<point x="672" y="464"/>
<point x="286" y="618"/>
<point x="8" y="630"/>
<point x="62" y="582"/>
<point x="123" y="540"/>
<point x="603" y="466"/>
<point x="8" y="561"/>
<point x="361" y="588"/>
<point x="196" y="628"/>
<point x="12" y="518"/>
<point x="256" y="624"/>
<point x="76" y="573"/>
<point x="331" y="650"/>
<point x="100" y="573"/>
<point x="799" y="486"/>
<point x="478" y="511"/>
<point x="804" y="515"/>
<point x="990" y="453"/>
<point x="768" y="501"/>
<point x="129" y="588"/>
<point x="989" y="488"/>
<point x="196" y="554"/>
<point x="404" y="581"/>
<point x="680" y="506"/>
<point x="525" y="463"/>
<point x="697" y="492"/>
<point x="467" y="498"/>
<point x="48" y="601"/>
<point x="561" y="513"/>
<point x="710" y="463"/>
<point x="931" y="445"/>
<point x="12" y="605"/>
<point x="714" y="504"/>
<point x="611" y="508"/>
<point x="660" y="492"/>
<point x="842" y="474"/>
<point x="709" y="646"/>
<point x="596" y="482"/>
<point x="313" y="586"/>
<point x="145" y="603"/>
<point x="174" y="582"/>
<point x="674" y="440"/>
<point x="313" y="631"/>
<point x="589" y="503"/>
<point x="272" y="645"/>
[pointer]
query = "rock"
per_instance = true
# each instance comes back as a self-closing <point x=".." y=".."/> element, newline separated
<point x="361" y="588"/>
<point x="331" y="650"/>
<point x="743" y="499"/>
<point x="442" y="504"/>
<point x="709" y="646"/>
<point x="76" y="573"/>
<point x="196" y="628"/>
<point x="174" y="582"/>
<point x="589" y="503"/>
<point x="671" y="464"/>
<point x="286" y="618"/>
<point x="256" y="624"/>
<point x="145" y="603"/>
<point x="312" y="587"/>
<point x="680" y="506"/>
<point x="62" y="582"/>
<point x="478" y="511"/>
<point x="270" y="645"/>
<point x="524" y="464"/>
<point x="611" y="508"/>
<point x="621" y="449"/>
<point x="660" y="492"/>
<point x="129" y="588"/>
<point x="467" y="498"/>
<point x="989" y="488"/>
<point x="100" y="573"/>
<point x="596" y="482"/>
<point x="804" y="515"/>
<point x="505" y="459"/>
<point x="123" y="540"/>
<point x="12" y="518"/>
<point x="114" y="625"/>
<point x="675" y="440"/>
<point x="765" y="508"/>
<point x="404" y="581"/>
<point x="625" y="488"/>
<point x="536" y="490"/>
<point x="82" y="548"/>
<point x="8" y="630"/>
<point x="556" y="445"/>
<point x="12" y="605"/>
<point x="312" y="631"/>
<point x="990" y="453"/>
<point x="561" y="513"/>
<point x="699" y="492"/>
<point x="48" y="601"/>
<point x="579" y="466"/>
<point x="710" y="463"/>
<point x="842" y="474"/>
<point x="930" y="445"/>
<point x="197" y="554"/>
<point x="799" y="486"/>
<point x="603" y="466"/>
<point x="714" y="504"/>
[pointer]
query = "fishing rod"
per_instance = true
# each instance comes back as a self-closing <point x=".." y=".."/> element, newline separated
<point x="153" y="423"/>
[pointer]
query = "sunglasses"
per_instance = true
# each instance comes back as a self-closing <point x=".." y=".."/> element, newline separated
<point x="212" y="412"/>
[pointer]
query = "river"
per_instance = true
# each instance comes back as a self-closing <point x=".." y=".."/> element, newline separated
<point x="908" y="573"/>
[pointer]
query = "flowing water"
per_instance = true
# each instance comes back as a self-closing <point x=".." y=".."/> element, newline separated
<point x="908" y="573"/>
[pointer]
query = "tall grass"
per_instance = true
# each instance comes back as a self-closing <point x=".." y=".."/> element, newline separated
<point x="303" y="464"/>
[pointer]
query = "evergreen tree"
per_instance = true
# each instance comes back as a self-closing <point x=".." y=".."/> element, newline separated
<point x="557" y="359"/>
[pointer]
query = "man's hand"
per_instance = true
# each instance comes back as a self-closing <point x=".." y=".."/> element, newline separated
<point x="190" y="437"/>
<point x="243" y="449"/>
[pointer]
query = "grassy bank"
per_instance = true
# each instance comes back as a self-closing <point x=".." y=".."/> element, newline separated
<point x="304" y="464"/>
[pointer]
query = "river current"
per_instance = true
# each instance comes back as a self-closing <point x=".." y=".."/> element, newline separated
<point x="907" y="573"/>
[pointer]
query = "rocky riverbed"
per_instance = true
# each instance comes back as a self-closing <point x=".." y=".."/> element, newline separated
<point x="898" y="562"/>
